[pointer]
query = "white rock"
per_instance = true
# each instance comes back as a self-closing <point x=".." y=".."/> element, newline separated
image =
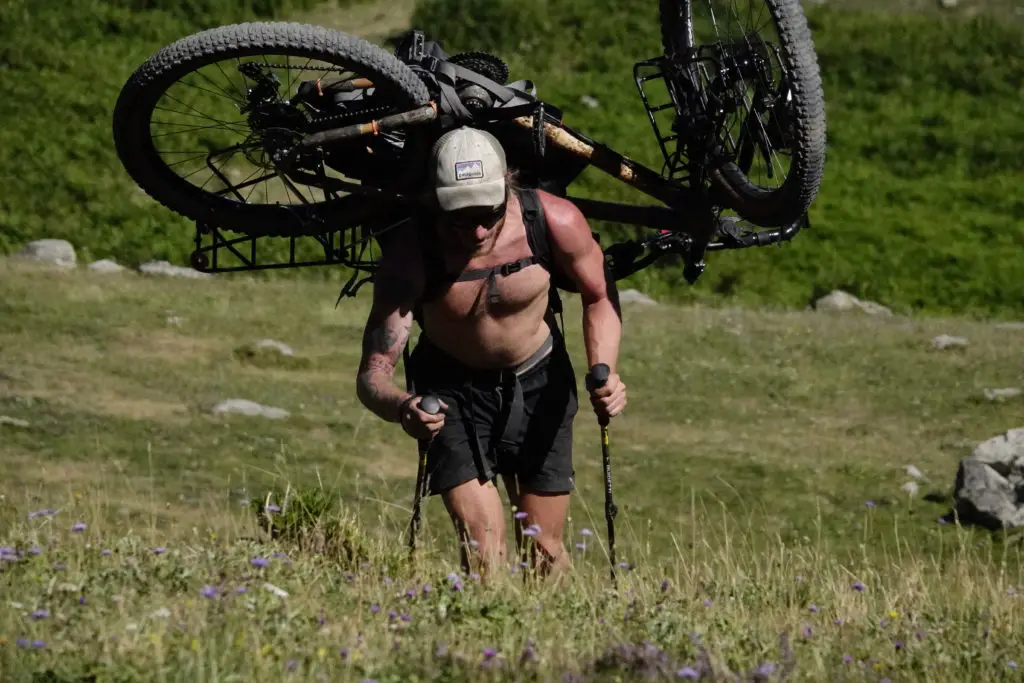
<point x="839" y="300"/>
<point x="589" y="102"/>
<point x="167" y="268"/>
<point x="632" y="296"/>
<point x="162" y="613"/>
<point x="59" y="252"/>
<point x="914" y="472"/>
<point x="279" y="592"/>
<point x="280" y="347"/>
<point x="243" y="406"/>
<point x="999" y="394"/>
<point x="944" y="341"/>
<point x="947" y="4"/>
<point x="106" y="266"/>
<point x="12" y="421"/>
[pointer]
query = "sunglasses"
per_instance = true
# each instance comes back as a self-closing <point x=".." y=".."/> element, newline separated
<point x="469" y="219"/>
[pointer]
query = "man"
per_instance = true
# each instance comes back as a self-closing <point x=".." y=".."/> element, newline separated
<point x="489" y="348"/>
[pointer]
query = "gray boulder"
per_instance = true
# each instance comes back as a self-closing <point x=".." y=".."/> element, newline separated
<point x="59" y="252"/>
<point x="838" y="300"/>
<point x="169" y="269"/>
<point x="242" y="406"/>
<point x="989" y="489"/>
<point x="106" y="266"/>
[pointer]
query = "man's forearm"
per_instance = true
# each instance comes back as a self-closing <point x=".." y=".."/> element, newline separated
<point x="602" y="333"/>
<point x="377" y="391"/>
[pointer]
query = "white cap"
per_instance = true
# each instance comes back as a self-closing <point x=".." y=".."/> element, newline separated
<point x="468" y="169"/>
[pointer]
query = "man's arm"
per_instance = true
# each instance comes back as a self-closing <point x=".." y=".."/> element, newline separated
<point x="397" y="285"/>
<point x="579" y="256"/>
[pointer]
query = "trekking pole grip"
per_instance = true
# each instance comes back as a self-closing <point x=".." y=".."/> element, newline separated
<point x="430" y="404"/>
<point x="597" y="378"/>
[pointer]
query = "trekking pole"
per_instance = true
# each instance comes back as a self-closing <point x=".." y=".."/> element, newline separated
<point x="428" y="404"/>
<point x="596" y="378"/>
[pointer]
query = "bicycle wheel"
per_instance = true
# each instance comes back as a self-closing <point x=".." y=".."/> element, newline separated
<point x="199" y="124"/>
<point x="760" y="88"/>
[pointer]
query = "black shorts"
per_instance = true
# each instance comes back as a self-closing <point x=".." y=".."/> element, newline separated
<point x="482" y="438"/>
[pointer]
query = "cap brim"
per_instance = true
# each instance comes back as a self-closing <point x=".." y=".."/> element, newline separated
<point x="478" y="194"/>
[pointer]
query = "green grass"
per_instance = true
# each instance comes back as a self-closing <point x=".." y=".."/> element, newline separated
<point x="742" y="469"/>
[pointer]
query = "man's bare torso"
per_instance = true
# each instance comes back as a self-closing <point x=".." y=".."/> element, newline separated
<point x="460" y="320"/>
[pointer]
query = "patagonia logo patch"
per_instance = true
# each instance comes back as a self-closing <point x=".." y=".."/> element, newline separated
<point x="465" y="170"/>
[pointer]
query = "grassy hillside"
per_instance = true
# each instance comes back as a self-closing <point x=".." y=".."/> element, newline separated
<point x="919" y="207"/>
<point x="758" y="476"/>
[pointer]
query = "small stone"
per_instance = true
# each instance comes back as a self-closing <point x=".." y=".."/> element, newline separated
<point x="1001" y="394"/>
<point x="589" y="102"/>
<point x="947" y="4"/>
<point x="59" y="252"/>
<point x="243" y="406"/>
<point x="167" y="268"/>
<point x="632" y="296"/>
<point x="275" y="345"/>
<point x="944" y="341"/>
<point x="839" y="300"/>
<point x="106" y="266"/>
<point x="12" y="421"/>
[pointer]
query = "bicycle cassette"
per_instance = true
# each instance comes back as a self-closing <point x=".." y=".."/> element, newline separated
<point x="484" y="64"/>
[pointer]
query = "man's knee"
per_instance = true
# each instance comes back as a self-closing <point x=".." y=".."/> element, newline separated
<point x="477" y="512"/>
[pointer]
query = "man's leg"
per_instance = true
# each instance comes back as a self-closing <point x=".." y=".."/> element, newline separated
<point x="477" y="514"/>
<point x="547" y="511"/>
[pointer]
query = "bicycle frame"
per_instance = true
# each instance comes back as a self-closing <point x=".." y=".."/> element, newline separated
<point x="686" y="222"/>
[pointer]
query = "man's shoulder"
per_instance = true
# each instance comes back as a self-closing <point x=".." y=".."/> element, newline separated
<point x="559" y="211"/>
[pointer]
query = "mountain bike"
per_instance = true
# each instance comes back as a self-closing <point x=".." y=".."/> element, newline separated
<point x="278" y="130"/>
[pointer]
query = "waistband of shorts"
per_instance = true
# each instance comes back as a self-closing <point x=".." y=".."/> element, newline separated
<point x="433" y="359"/>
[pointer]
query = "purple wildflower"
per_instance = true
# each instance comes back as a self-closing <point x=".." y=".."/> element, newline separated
<point x="209" y="592"/>
<point x="453" y="577"/>
<point x="688" y="672"/>
<point x="490" y="653"/>
<point x="106" y="552"/>
<point x="241" y="589"/>
<point x="48" y="512"/>
<point x="870" y="503"/>
<point x="427" y="588"/>
<point x="81" y="600"/>
<point x="858" y="586"/>
<point x="38" y="644"/>
<point x="22" y="642"/>
<point x="898" y="644"/>
<point x="79" y="526"/>
<point x="807" y="632"/>
<point x="585" y="532"/>
<point x="41" y="613"/>
<point x="474" y="576"/>
<point x="813" y="608"/>
<point x="411" y="593"/>
<point x="406" y="617"/>
<point x="919" y="635"/>
<point x="343" y="652"/>
<point x="374" y="608"/>
<point x="1012" y="664"/>
<point x="942" y="520"/>
<point x="521" y="515"/>
<point x="847" y="658"/>
<point x="272" y="508"/>
<point x="707" y="603"/>
<point x="532" y="530"/>
<point x="159" y="551"/>
<point x="35" y="550"/>
<point x="581" y="546"/>
<point x="259" y="562"/>
<point x="664" y="585"/>
<point x="766" y="669"/>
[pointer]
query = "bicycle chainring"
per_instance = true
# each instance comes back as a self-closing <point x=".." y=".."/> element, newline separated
<point x="484" y="64"/>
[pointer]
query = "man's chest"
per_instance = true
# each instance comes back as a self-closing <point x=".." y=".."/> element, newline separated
<point x="498" y="295"/>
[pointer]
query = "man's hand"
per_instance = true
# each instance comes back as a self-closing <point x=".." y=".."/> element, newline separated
<point x="609" y="400"/>
<point x="418" y="423"/>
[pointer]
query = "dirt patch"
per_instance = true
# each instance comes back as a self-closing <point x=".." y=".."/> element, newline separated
<point x="370" y="20"/>
<point x="166" y="345"/>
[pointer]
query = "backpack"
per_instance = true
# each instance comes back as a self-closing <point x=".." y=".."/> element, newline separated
<point x="537" y="238"/>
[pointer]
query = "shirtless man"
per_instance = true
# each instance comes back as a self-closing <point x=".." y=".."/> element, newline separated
<point x="489" y="349"/>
